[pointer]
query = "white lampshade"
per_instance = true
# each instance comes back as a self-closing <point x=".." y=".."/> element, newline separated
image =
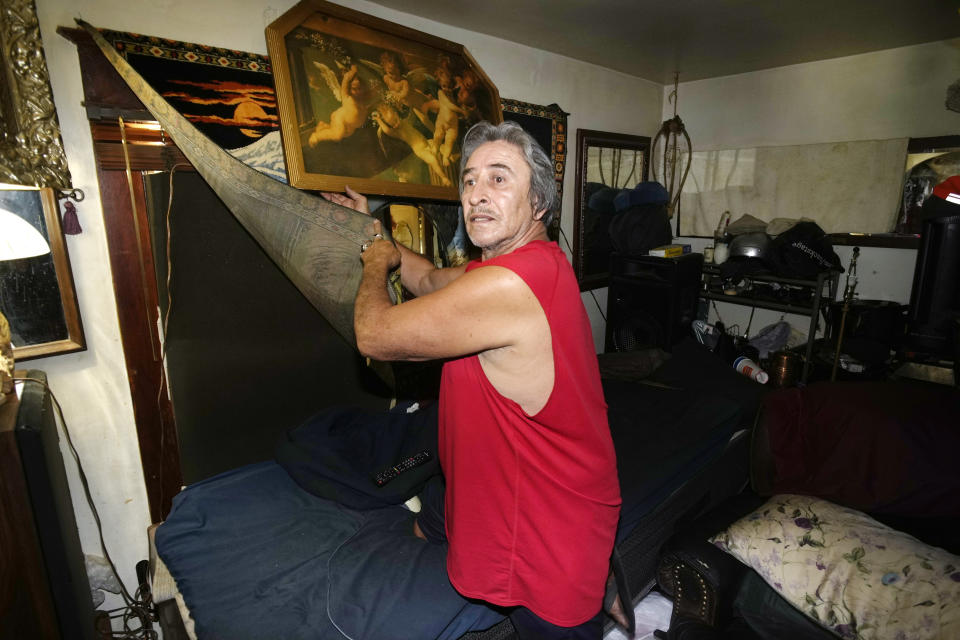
<point x="19" y="239"/>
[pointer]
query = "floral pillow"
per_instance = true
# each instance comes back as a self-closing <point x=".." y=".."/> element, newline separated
<point x="849" y="573"/>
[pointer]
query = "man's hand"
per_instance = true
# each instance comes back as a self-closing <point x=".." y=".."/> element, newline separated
<point x="419" y="275"/>
<point x="377" y="250"/>
<point x="379" y="253"/>
<point x="351" y="199"/>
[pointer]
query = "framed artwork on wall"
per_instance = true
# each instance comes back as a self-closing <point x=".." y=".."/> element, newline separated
<point x="36" y="291"/>
<point x="373" y="104"/>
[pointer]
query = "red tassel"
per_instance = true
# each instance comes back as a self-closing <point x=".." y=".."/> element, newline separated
<point x="71" y="224"/>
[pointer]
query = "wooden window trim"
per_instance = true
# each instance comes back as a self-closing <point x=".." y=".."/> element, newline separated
<point x="107" y="99"/>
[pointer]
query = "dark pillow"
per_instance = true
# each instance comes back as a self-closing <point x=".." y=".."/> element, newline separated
<point x="880" y="447"/>
<point x="336" y="454"/>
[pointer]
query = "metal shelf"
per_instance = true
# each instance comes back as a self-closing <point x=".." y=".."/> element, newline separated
<point x="756" y="302"/>
<point x="766" y="276"/>
<point x="817" y="299"/>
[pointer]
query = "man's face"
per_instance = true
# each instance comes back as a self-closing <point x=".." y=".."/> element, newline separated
<point x="495" y="199"/>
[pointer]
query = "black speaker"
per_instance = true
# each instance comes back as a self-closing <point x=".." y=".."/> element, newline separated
<point x="39" y="444"/>
<point x="935" y="298"/>
<point x="651" y="301"/>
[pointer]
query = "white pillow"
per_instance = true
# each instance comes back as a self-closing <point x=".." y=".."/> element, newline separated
<point x="849" y="573"/>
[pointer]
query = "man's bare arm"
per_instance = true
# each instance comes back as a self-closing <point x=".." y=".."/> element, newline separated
<point x="420" y="276"/>
<point x="372" y="301"/>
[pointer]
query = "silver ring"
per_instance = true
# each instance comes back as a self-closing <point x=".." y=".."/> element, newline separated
<point x="364" y="247"/>
<point x="378" y="236"/>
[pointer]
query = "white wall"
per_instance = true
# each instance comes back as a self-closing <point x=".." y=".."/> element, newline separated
<point x="92" y="386"/>
<point x="875" y="96"/>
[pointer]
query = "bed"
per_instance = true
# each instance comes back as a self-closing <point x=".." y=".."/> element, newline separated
<point x="306" y="546"/>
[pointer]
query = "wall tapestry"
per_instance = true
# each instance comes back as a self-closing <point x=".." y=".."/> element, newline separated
<point x="226" y="94"/>
<point x="548" y="125"/>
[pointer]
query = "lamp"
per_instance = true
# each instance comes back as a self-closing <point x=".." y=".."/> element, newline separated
<point x="18" y="239"/>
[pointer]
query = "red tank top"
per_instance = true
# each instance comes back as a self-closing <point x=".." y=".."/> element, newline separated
<point x="532" y="501"/>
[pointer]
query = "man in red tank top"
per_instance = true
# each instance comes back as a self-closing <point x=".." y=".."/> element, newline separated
<point x="532" y="496"/>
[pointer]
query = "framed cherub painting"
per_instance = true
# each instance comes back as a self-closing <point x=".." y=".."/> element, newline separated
<point x="371" y="104"/>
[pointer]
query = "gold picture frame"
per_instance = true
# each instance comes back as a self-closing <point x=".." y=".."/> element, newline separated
<point x="372" y="104"/>
<point x="31" y="149"/>
<point x="37" y="295"/>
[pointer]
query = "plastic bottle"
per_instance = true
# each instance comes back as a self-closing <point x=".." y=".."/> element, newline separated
<point x="751" y="369"/>
<point x="721" y="250"/>
<point x="721" y="243"/>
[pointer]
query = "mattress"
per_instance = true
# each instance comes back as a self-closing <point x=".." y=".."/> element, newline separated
<point x="652" y="612"/>
<point x="663" y="438"/>
<point x="261" y="552"/>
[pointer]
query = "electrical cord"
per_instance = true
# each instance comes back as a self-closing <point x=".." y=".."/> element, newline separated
<point x="592" y="295"/>
<point x="717" y="311"/>
<point x="138" y="607"/>
<point x="164" y="382"/>
<point x="166" y="315"/>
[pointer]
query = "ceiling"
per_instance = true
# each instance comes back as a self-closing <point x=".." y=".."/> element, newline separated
<point x="653" y="39"/>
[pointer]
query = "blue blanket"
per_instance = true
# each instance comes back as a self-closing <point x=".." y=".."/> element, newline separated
<point x="255" y="557"/>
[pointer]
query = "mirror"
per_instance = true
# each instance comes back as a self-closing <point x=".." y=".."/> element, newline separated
<point x="930" y="161"/>
<point x="36" y="292"/>
<point x="606" y="164"/>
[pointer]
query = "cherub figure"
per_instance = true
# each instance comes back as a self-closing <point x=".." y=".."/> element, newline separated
<point x="467" y="84"/>
<point x="353" y="95"/>
<point x="446" y="126"/>
<point x="390" y="123"/>
<point x="403" y="88"/>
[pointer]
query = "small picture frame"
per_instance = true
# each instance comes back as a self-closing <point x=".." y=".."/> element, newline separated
<point x="371" y="104"/>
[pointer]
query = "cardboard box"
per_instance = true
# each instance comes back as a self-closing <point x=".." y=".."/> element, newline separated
<point x="669" y="250"/>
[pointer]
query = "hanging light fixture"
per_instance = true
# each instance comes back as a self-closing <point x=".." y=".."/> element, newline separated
<point x="672" y="153"/>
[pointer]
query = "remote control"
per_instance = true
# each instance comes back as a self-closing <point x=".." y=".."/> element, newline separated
<point x="413" y="461"/>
